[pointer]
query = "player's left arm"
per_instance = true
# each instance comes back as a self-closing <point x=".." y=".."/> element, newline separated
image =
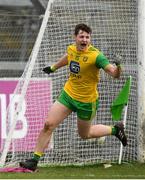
<point x="113" y="70"/>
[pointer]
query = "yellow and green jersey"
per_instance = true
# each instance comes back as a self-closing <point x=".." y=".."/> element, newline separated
<point x="84" y="73"/>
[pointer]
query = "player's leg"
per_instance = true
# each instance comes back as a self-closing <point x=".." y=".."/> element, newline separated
<point x="56" y="115"/>
<point x="85" y="113"/>
<point x="86" y="130"/>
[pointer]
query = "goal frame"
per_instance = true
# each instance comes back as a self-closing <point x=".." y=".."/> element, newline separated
<point x="141" y="81"/>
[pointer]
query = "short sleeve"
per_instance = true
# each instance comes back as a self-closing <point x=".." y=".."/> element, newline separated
<point x="101" y="61"/>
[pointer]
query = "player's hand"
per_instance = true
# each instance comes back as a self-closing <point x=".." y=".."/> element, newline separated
<point x="47" y="70"/>
<point x="117" y="63"/>
<point x="118" y="70"/>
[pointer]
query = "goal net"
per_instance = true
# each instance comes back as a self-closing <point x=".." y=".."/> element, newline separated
<point x="114" y="25"/>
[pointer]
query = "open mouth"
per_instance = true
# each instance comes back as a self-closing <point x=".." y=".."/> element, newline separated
<point x="83" y="45"/>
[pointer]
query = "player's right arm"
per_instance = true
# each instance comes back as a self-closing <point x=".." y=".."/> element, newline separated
<point x="63" y="61"/>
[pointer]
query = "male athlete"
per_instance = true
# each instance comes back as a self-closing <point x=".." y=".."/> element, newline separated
<point x="79" y="94"/>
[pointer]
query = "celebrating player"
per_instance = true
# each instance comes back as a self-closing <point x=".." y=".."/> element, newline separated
<point x="79" y="94"/>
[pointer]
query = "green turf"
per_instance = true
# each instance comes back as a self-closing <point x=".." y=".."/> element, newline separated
<point x="123" y="171"/>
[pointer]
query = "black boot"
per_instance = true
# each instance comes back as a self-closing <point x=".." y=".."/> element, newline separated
<point x="120" y="134"/>
<point x="30" y="164"/>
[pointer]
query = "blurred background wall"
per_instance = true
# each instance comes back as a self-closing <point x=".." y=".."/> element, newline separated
<point x="19" y="26"/>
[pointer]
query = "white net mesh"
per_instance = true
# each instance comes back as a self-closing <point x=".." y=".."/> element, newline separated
<point x="114" y="25"/>
<point x="18" y="31"/>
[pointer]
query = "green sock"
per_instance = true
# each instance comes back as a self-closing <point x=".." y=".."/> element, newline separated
<point x="114" y="130"/>
<point x="37" y="156"/>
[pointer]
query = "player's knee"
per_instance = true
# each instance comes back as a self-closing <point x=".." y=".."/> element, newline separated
<point x="84" y="136"/>
<point x="48" y="126"/>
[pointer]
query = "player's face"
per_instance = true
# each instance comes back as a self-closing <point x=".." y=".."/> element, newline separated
<point x="83" y="40"/>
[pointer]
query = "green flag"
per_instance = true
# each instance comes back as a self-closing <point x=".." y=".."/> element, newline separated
<point x="120" y="101"/>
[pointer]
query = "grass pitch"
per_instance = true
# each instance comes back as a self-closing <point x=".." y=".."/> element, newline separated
<point x="123" y="171"/>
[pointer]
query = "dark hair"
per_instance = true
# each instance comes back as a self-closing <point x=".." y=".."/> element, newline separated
<point x="82" y="27"/>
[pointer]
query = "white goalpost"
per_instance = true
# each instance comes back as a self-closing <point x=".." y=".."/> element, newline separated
<point x="141" y="81"/>
<point x="114" y="24"/>
<point x="25" y="84"/>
